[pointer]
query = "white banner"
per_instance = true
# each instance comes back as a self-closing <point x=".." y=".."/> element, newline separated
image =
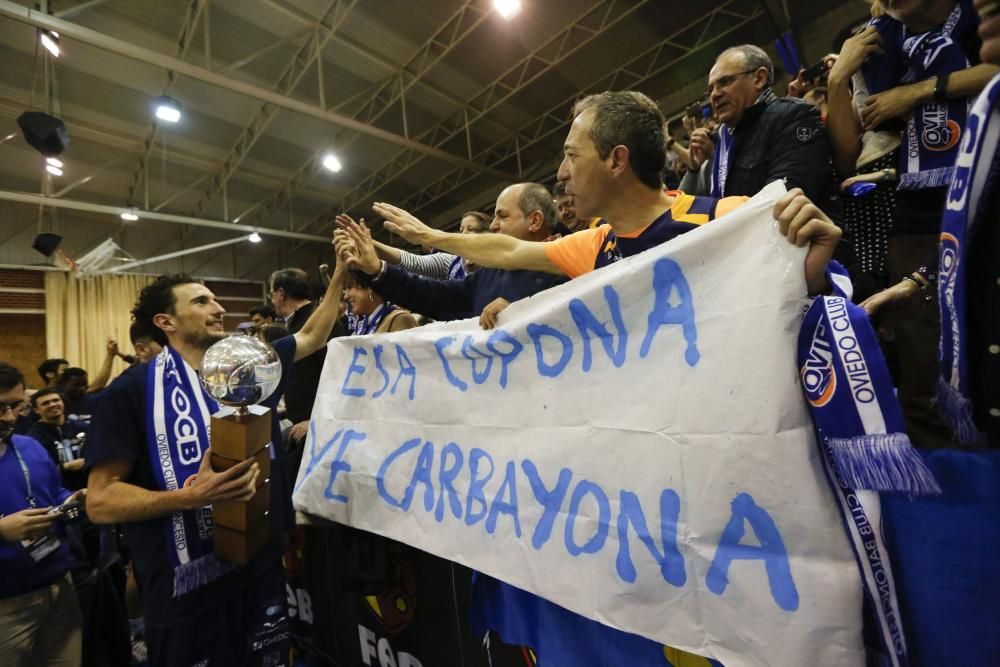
<point x="632" y="445"/>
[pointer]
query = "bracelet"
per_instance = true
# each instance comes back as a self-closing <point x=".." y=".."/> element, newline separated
<point x="381" y="271"/>
<point x="921" y="286"/>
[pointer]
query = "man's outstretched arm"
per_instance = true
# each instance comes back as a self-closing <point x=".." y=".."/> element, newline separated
<point x="497" y="251"/>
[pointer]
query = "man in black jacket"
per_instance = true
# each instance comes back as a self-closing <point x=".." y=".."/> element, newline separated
<point x="525" y="211"/>
<point x="763" y="138"/>
<point x="289" y="295"/>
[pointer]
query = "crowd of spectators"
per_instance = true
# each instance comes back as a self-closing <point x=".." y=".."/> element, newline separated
<point x="866" y="142"/>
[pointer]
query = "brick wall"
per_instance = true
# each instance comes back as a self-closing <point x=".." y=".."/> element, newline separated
<point x="22" y="343"/>
<point x="22" y="335"/>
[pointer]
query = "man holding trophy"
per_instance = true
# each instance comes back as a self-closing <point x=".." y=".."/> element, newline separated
<point x="212" y="583"/>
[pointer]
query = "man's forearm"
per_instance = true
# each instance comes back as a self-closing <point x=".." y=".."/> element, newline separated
<point x="388" y="253"/>
<point x="489" y="250"/>
<point x="963" y="83"/>
<point x="103" y="375"/>
<point x="316" y="330"/>
<point x="843" y="125"/>
<point x="121" y="502"/>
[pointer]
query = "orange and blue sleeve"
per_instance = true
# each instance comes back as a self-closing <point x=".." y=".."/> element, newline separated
<point x="728" y="204"/>
<point x="576" y="254"/>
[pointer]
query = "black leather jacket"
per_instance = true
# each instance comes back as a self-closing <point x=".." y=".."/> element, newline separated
<point x="780" y="138"/>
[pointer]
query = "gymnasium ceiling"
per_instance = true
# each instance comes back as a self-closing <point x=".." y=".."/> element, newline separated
<point x="429" y="104"/>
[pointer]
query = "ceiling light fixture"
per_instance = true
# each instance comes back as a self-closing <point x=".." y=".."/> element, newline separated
<point x="54" y="162"/>
<point x="254" y="238"/>
<point x="507" y="8"/>
<point x="50" y="40"/>
<point x="129" y="216"/>
<point x="54" y="170"/>
<point x="168" y="109"/>
<point x="332" y="162"/>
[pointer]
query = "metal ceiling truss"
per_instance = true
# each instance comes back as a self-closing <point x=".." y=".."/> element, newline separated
<point x="120" y="47"/>
<point x="387" y="90"/>
<point x="381" y="97"/>
<point x="114" y="211"/>
<point x="573" y="36"/>
<point x="188" y="28"/>
<point x="309" y="53"/>
<point x="577" y="33"/>
<point x="631" y="75"/>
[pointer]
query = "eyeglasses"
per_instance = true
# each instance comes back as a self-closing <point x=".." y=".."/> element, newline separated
<point x="17" y="406"/>
<point x="726" y="81"/>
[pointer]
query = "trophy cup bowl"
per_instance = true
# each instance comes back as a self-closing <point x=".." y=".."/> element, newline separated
<point x="241" y="371"/>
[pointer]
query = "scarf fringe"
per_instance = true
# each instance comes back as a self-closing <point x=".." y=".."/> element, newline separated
<point x="930" y="178"/>
<point x="956" y="410"/>
<point x="882" y="462"/>
<point x="198" y="572"/>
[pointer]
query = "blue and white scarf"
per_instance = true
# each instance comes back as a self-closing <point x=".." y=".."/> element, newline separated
<point x="850" y="393"/>
<point x="366" y="324"/>
<point x="859" y="429"/>
<point x="934" y="130"/>
<point x="975" y="178"/>
<point x="456" y="271"/>
<point x="178" y="415"/>
<point x="720" y="161"/>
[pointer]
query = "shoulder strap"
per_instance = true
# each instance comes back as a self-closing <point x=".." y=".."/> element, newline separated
<point x="386" y="324"/>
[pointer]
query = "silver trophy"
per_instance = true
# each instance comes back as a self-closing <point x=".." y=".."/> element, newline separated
<point x="241" y="371"/>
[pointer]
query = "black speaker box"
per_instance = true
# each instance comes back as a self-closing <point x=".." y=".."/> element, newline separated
<point x="46" y="243"/>
<point x="45" y="133"/>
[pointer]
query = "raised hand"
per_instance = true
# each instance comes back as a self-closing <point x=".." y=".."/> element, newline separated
<point x="803" y="223"/>
<point x="855" y="52"/>
<point x="403" y="223"/>
<point x="359" y="248"/>
<point x="702" y="147"/>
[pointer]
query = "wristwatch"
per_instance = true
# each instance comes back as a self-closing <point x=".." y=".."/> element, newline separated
<point x="941" y="89"/>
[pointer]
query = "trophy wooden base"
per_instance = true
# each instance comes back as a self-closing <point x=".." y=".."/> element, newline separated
<point x="240" y="529"/>
<point x="238" y="546"/>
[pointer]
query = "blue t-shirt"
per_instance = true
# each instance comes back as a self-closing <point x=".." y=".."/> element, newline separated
<point x="118" y="432"/>
<point x="21" y="574"/>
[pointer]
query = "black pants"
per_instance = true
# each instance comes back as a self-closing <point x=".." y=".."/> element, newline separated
<point x="249" y="629"/>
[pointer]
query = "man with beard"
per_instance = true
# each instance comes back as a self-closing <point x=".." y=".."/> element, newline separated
<point x="39" y="612"/>
<point x="150" y="471"/>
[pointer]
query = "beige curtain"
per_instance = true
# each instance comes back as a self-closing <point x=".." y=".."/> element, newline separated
<point x="81" y="313"/>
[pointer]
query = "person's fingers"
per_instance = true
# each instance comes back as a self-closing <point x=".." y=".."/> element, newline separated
<point x="809" y="228"/>
<point x="236" y="471"/>
<point x="873" y="303"/>
<point x="235" y="485"/>
<point x="37" y="511"/>
<point x="787" y="209"/>
<point x="40" y="523"/>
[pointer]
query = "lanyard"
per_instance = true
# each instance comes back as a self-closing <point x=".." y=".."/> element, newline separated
<point x="27" y="476"/>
